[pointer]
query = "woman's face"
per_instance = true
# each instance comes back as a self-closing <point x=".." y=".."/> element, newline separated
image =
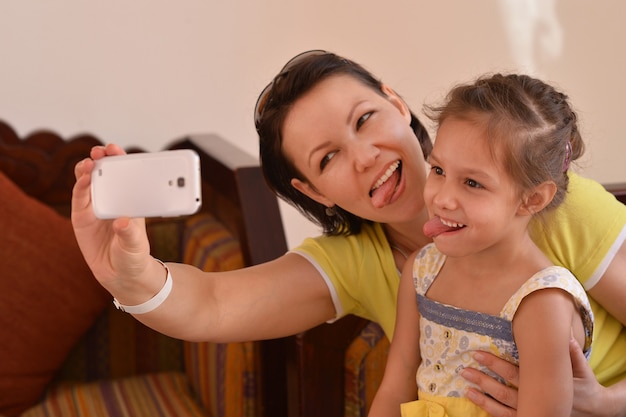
<point x="357" y="150"/>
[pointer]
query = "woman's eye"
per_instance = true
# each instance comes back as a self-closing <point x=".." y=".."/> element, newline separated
<point x="326" y="159"/>
<point x="362" y="120"/>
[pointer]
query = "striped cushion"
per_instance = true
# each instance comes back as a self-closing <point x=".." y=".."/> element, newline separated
<point x="208" y="245"/>
<point x="150" y="395"/>
<point x="366" y="358"/>
<point x="225" y="376"/>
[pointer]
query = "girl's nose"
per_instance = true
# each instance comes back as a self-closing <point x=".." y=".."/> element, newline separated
<point x="444" y="195"/>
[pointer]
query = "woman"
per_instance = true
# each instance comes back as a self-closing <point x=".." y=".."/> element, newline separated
<point x="340" y="146"/>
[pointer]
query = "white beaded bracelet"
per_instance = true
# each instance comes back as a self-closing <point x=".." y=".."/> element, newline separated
<point x="152" y="303"/>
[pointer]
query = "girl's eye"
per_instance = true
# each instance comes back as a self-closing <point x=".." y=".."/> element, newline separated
<point x="362" y="120"/>
<point x="473" y="184"/>
<point x="326" y="159"/>
<point x="437" y="170"/>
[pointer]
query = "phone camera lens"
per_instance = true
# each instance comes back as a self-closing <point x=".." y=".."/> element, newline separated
<point x="180" y="181"/>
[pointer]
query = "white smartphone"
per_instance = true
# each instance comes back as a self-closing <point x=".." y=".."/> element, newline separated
<point x="157" y="184"/>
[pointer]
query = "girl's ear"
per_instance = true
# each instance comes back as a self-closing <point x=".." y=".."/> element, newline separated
<point x="310" y="191"/>
<point x="538" y="198"/>
<point x="397" y="101"/>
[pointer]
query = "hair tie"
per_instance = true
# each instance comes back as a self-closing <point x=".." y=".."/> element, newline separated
<point x="568" y="155"/>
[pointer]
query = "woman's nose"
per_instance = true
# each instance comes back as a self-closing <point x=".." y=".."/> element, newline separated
<point x="365" y="155"/>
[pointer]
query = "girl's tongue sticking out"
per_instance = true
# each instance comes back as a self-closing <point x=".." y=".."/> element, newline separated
<point x="435" y="226"/>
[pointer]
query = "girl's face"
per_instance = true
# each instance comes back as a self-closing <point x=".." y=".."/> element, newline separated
<point x="357" y="150"/>
<point x="472" y="202"/>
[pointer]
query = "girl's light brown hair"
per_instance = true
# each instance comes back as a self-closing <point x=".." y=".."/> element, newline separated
<point x="532" y="122"/>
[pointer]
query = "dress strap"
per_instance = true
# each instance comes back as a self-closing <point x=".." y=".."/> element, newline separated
<point x="554" y="277"/>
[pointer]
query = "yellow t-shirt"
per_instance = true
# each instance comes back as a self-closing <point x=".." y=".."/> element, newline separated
<point x="582" y="235"/>
<point x="360" y="272"/>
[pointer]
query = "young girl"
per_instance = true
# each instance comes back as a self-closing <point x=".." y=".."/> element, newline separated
<point x="501" y="156"/>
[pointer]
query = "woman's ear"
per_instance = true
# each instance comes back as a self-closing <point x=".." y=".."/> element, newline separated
<point x="397" y="101"/>
<point x="310" y="191"/>
<point x="538" y="198"/>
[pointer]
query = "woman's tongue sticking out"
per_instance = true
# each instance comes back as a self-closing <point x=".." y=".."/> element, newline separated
<point x="383" y="193"/>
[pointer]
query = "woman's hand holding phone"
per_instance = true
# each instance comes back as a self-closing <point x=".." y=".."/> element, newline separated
<point x="117" y="251"/>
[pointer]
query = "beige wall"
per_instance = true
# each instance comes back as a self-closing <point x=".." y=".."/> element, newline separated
<point x="144" y="72"/>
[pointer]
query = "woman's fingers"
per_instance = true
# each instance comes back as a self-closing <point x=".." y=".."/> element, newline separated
<point x="81" y="194"/>
<point x="496" y="398"/>
<point x="589" y="395"/>
<point x="110" y="149"/>
<point x="491" y="406"/>
<point x="97" y="152"/>
<point x="132" y="235"/>
<point x="580" y="364"/>
<point x="501" y="367"/>
<point x="83" y="167"/>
